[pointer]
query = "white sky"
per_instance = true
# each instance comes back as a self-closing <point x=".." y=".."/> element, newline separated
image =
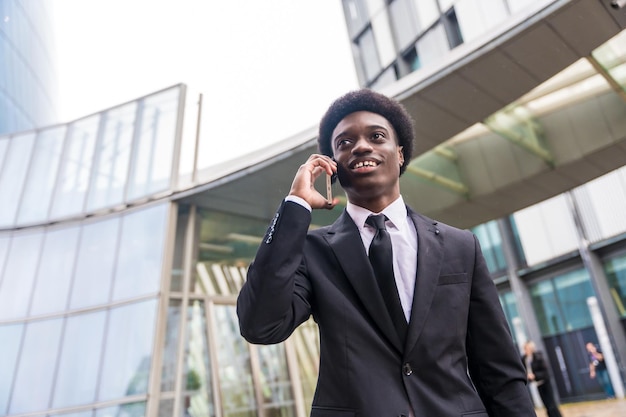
<point x="267" y="68"/>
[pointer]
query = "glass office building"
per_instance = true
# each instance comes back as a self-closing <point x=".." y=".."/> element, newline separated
<point x="27" y="70"/>
<point x="121" y="254"/>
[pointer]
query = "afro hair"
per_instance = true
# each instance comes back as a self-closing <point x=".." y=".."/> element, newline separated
<point x="368" y="100"/>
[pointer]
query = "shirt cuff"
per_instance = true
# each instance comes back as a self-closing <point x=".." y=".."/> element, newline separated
<point x="300" y="201"/>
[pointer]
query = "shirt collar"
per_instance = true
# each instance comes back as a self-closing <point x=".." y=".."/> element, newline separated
<point x="396" y="212"/>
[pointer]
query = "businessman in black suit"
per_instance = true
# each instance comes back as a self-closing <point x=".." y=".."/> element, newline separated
<point x="419" y="330"/>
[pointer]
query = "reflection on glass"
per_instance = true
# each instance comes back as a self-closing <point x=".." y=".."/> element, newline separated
<point x="54" y="274"/>
<point x="35" y="372"/>
<point x="616" y="276"/>
<point x="152" y="164"/>
<point x="198" y="395"/>
<point x="95" y="263"/>
<point x="137" y="409"/>
<point x="128" y="351"/>
<point x="166" y="407"/>
<point x="80" y="359"/>
<point x="275" y="383"/>
<point x="75" y="168"/>
<point x="509" y="305"/>
<point x="491" y="243"/>
<point x="11" y="336"/>
<point x="41" y="177"/>
<point x="546" y="308"/>
<point x="234" y="366"/>
<point x="112" y="156"/>
<point x="19" y="275"/>
<point x="170" y="350"/>
<point x="572" y="290"/>
<point x="12" y="176"/>
<point x="140" y="255"/>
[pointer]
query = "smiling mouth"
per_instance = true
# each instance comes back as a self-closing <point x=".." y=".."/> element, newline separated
<point x="364" y="164"/>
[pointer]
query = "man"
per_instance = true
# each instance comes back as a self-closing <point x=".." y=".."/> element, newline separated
<point x="597" y="367"/>
<point x="449" y="353"/>
<point x="537" y="371"/>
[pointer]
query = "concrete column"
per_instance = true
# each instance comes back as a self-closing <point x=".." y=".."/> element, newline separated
<point x="606" y="347"/>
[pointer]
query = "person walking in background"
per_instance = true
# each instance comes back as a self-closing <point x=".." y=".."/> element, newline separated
<point x="538" y="372"/>
<point x="409" y="318"/>
<point x="597" y="369"/>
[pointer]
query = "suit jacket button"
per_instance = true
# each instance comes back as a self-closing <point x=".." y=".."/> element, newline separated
<point x="406" y="368"/>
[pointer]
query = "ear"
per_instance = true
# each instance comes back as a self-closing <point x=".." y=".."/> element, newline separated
<point x="400" y="155"/>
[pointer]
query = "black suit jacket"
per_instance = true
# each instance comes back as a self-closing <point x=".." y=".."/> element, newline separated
<point x="457" y="327"/>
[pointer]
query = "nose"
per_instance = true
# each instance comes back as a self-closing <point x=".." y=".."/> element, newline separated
<point x="361" y="146"/>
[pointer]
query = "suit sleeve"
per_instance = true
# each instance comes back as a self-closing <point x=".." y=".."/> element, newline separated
<point x="276" y="296"/>
<point x="494" y="363"/>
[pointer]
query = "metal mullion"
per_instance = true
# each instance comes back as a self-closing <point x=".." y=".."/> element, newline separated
<point x="130" y="172"/>
<point x="294" y="376"/>
<point x="255" y="367"/>
<point x="64" y="149"/>
<point x="95" y="160"/>
<point x="187" y="271"/>
<point x="182" y="97"/>
<point x="194" y="169"/>
<point x="154" y="385"/>
<point x="213" y="358"/>
<point x="26" y="176"/>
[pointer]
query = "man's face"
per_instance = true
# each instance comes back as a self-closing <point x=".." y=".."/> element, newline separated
<point x="368" y="158"/>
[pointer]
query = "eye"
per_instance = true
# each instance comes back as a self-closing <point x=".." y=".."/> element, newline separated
<point x="379" y="136"/>
<point x="343" y="142"/>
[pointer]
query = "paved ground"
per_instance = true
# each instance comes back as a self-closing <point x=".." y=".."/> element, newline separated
<point x="604" y="408"/>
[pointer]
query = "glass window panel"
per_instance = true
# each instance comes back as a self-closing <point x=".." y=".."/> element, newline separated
<point x="75" y="168"/>
<point x="616" y="276"/>
<point x="546" y="308"/>
<point x="491" y="244"/>
<point x="374" y="6"/>
<point x="170" y="350"/>
<point x="35" y="372"/>
<point x="54" y="274"/>
<point x="368" y="55"/>
<point x="35" y="201"/>
<point x="95" y="264"/>
<point x="573" y="289"/>
<point x="275" y="382"/>
<point x="80" y="360"/>
<point x="128" y="351"/>
<point x="19" y="274"/>
<point x="307" y="347"/>
<point x="198" y="395"/>
<point x="477" y="17"/>
<point x="432" y="46"/>
<point x="546" y="230"/>
<point x="405" y="24"/>
<point x="124" y="410"/>
<point x="235" y="373"/>
<point x="356" y="15"/>
<point x="427" y="12"/>
<point x="10" y="337"/>
<point x="152" y="164"/>
<point x="113" y="153"/>
<point x="12" y="176"/>
<point x="384" y="40"/>
<point x="141" y="253"/>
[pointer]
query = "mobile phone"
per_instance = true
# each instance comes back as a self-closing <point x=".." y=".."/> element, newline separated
<point x="329" y="187"/>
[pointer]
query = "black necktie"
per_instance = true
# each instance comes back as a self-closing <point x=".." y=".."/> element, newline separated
<point x="381" y="258"/>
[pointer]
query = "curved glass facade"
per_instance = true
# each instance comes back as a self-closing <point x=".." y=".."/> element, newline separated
<point x="27" y="74"/>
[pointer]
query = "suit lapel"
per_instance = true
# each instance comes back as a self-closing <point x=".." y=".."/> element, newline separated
<point x="345" y="241"/>
<point x="429" y="258"/>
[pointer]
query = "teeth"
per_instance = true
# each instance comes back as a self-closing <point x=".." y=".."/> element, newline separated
<point x="364" y="164"/>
